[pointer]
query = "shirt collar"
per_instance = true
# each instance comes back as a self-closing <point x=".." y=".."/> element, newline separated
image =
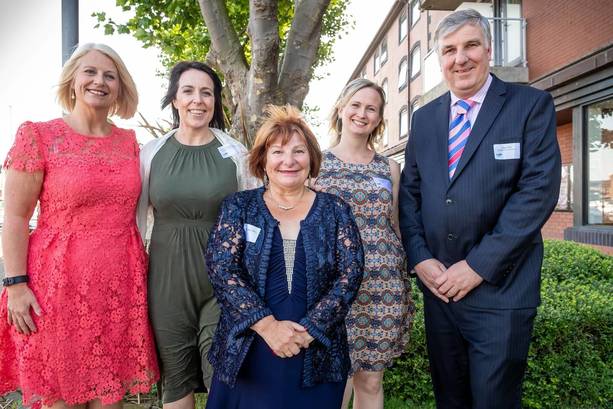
<point x="479" y="96"/>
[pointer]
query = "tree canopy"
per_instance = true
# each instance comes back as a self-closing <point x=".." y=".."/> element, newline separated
<point x="266" y="50"/>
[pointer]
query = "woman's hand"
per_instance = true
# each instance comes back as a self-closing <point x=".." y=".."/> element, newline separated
<point x="305" y="339"/>
<point x="285" y="338"/>
<point x="20" y="300"/>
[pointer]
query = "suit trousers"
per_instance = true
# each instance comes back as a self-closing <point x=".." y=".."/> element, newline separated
<point x="477" y="356"/>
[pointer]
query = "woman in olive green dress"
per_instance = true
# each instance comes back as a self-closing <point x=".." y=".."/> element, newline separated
<point x="185" y="176"/>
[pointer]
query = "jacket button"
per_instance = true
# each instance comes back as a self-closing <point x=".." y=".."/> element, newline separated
<point x="448" y="201"/>
<point x="450" y="236"/>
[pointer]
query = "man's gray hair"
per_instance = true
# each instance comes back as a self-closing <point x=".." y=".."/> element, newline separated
<point x="459" y="19"/>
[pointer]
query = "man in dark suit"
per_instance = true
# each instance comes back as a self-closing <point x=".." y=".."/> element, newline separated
<point x="482" y="176"/>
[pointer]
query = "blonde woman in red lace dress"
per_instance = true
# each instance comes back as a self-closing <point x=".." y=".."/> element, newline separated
<point x="74" y="330"/>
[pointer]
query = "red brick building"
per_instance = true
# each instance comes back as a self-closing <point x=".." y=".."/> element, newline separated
<point x="564" y="47"/>
<point x="570" y="54"/>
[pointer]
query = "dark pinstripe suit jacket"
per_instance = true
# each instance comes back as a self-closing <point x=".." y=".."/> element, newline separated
<point x="492" y="211"/>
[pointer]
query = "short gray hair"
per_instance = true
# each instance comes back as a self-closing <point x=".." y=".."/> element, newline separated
<point x="458" y="19"/>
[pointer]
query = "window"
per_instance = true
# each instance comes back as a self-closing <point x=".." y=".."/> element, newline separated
<point x="599" y="155"/>
<point x="385" y="140"/>
<point x="415" y="61"/>
<point x="403" y="74"/>
<point x="380" y="55"/>
<point x="403" y="25"/>
<point x="565" y="199"/>
<point x="415" y="12"/>
<point x="414" y="106"/>
<point x="384" y="86"/>
<point x="403" y="118"/>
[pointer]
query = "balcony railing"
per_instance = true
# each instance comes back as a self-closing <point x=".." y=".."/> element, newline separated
<point x="508" y="42"/>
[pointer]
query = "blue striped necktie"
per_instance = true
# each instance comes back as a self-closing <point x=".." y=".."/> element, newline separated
<point x="459" y="129"/>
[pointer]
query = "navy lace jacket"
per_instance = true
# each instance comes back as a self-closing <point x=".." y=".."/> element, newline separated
<point x="237" y="258"/>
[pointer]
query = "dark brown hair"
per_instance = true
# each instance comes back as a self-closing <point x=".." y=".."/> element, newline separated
<point x="218" y="121"/>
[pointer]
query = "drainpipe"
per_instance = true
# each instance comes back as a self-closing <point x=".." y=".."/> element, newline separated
<point x="70" y="28"/>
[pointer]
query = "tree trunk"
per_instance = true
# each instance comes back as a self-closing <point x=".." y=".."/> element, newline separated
<point x="301" y="50"/>
<point x="260" y="83"/>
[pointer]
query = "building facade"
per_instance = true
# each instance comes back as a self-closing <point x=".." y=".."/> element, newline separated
<point x="563" y="47"/>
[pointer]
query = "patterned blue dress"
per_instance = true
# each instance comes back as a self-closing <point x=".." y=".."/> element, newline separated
<point x="266" y="381"/>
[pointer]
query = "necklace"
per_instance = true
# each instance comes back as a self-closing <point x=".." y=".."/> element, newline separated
<point x="283" y="207"/>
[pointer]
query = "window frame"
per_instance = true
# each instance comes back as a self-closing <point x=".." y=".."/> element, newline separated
<point x="385" y="88"/>
<point x="414" y="101"/>
<point x="382" y="47"/>
<point x="585" y="199"/>
<point x="385" y="137"/>
<point x="404" y="22"/>
<point x="412" y="4"/>
<point x="402" y="86"/>
<point x="416" y="47"/>
<point x="581" y="231"/>
<point x="402" y="110"/>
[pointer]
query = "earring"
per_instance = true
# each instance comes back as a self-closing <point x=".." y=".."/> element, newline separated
<point x="309" y="181"/>
<point x="72" y="95"/>
<point x="266" y="180"/>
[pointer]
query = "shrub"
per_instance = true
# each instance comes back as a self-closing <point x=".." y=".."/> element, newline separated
<point x="566" y="260"/>
<point x="571" y="356"/>
<point x="409" y="378"/>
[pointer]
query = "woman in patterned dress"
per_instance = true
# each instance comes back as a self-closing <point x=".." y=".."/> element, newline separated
<point x="77" y="333"/>
<point x="379" y="321"/>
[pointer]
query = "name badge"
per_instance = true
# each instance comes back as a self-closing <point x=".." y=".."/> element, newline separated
<point x="251" y="232"/>
<point x="383" y="182"/>
<point x="505" y="151"/>
<point x="227" y="151"/>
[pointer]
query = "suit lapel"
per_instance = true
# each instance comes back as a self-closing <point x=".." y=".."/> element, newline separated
<point x="494" y="100"/>
<point x="442" y="135"/>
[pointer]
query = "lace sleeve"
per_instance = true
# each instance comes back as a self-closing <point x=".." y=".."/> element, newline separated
<point x="232" y="285"/>
<point x="135" y="145"/>
<point x="349" y="258"/>
<point x="26" y="154"/>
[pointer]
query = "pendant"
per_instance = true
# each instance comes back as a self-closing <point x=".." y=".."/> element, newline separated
<point x="286" y="208"/>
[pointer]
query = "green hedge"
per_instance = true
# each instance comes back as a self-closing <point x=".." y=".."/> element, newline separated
<point x="570" y="362"/>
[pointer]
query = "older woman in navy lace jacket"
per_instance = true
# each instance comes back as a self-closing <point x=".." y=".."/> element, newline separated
<point x="238" y="271"/>
<point x="240" y="257"/>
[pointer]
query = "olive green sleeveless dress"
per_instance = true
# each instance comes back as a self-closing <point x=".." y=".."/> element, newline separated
<point x="186" y="187"/>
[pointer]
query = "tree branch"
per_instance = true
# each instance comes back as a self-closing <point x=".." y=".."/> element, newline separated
<point x="301" y="50"/>
<point x="226" y="45"/>
<point x="263" y="31"/>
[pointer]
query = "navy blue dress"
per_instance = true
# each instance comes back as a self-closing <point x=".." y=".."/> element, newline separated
<point x="266" y="381"/>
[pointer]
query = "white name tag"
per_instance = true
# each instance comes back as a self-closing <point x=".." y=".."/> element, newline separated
<point x="252" y="232"/>
<point x="227" y="150"/>
<point x="504" y="151"/>
<point x="384" y="183"/>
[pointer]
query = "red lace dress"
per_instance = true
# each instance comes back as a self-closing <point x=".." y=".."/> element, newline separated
<point x="87" y="268"/>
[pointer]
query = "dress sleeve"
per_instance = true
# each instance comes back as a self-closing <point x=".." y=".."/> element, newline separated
<point x="134" y="142"/>
<point x="230" y="280"/>
<point x="26" y="154"/>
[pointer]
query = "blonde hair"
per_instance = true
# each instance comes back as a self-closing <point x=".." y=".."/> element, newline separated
<point x="284" y="122"/>
<point x="349" y="91"/>
<point x="127" y="100"/>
